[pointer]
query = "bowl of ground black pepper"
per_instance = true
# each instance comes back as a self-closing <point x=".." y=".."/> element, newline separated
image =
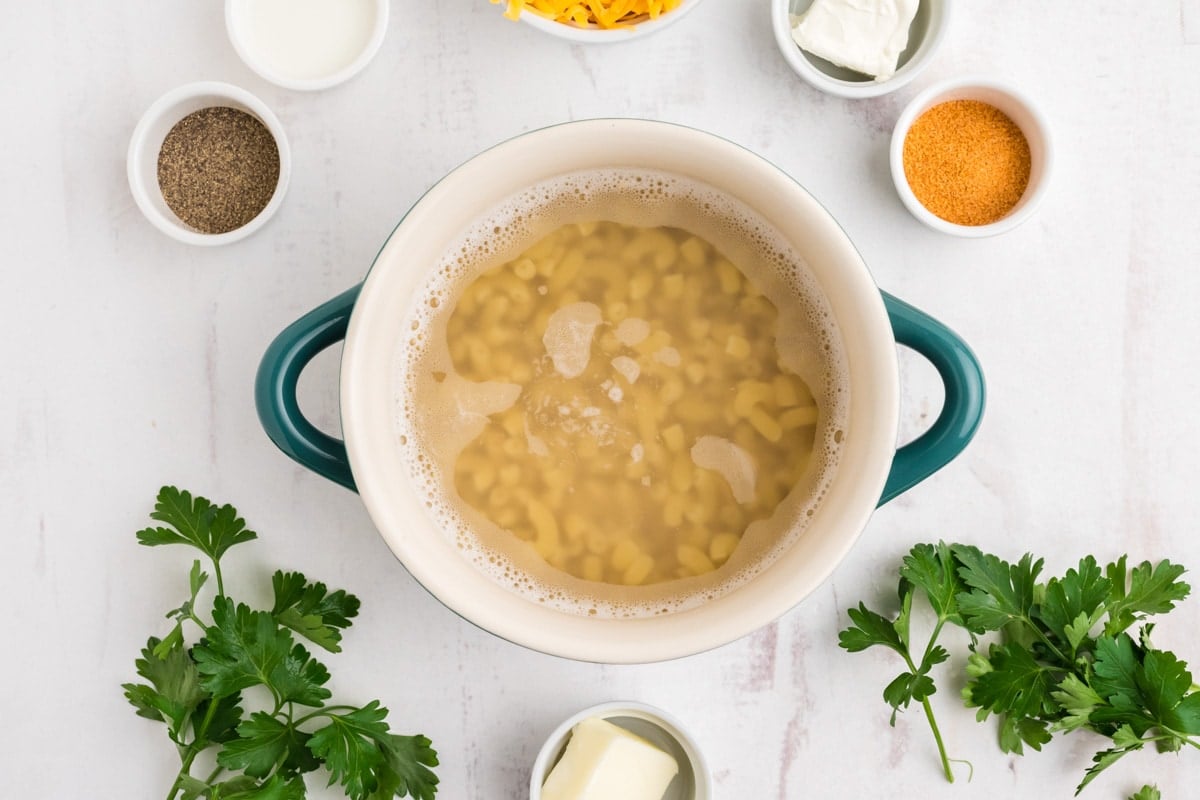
<point x="208" y="163"/>
<point x="971" y="157"/>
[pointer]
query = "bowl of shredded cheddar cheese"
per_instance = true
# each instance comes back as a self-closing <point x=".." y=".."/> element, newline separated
<point x="596" y="21"/>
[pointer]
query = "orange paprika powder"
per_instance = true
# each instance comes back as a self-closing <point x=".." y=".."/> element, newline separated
<point x="967" y="162"/>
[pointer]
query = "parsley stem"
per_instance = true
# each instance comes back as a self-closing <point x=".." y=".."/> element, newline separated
<point x="937" y="630"/>
<point x="937" y="735"/>
<point x="1037" y="631"/>
<point x="322" y="712"/>
<point x="198" y="744"/>
<point x="217" y="575"/>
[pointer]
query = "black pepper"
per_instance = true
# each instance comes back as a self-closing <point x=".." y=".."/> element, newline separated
<point x="218" y="168"/>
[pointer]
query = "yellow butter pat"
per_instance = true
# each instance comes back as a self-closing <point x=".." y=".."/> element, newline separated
<point x="604" y="761"/>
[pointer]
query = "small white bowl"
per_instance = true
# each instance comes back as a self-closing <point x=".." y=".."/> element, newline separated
<point x="147" y="141"/>
<point x="593" y="34"/>
<point x="925" y="37"/>
<point x="1019" y="108"/>
<point x="307" y="36"/>
<point x="694" y="781"/>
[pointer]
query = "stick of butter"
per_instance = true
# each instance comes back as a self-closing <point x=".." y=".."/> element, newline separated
<point x="866" y="36"/>
<point x="606" y="762"/>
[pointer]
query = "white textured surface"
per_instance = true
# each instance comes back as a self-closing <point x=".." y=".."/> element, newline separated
<point x="129" y="361"/>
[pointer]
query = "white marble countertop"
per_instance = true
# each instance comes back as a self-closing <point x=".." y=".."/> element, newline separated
<point x="129" y="362"/>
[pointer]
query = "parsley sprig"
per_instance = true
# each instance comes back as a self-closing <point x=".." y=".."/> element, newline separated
<point x="245" y="656"/>
<point x="1059" y="656"/>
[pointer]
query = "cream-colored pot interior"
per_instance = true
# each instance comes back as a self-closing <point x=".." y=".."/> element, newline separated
<point x="368" y="403"/>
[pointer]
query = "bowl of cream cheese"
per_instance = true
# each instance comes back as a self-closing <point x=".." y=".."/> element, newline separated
<point x="859" y="48"/>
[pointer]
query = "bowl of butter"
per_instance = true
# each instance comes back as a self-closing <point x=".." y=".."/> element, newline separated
<point x="859" y="48"/>
<point x="624" y="750"/>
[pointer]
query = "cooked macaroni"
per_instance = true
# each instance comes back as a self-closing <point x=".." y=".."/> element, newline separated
<point x="654" y="421"/>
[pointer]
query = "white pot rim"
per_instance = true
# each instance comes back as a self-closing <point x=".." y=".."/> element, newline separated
<point x="398" y="512"/>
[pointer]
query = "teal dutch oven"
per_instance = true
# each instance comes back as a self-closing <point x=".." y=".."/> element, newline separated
<point x="374" y="320"/>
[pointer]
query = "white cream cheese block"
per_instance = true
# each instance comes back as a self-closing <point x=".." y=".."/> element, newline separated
<point x="866" y="36"/>
<point x="603" y="761"/>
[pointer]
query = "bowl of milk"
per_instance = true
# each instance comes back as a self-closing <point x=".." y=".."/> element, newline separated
<point x="306" y="44"/>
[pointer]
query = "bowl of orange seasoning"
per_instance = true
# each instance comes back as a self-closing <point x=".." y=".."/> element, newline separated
<point x="971" y="157"/>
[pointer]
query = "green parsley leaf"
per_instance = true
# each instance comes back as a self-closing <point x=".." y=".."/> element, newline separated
<point x="1185" y="717"/>
<point x="241" y="649"/>
<point x="1016" y="732"/>
<point x="406" y="768"/>
<point x="1115" y="671"/>
<point x="245" y="648"/>
<point x="1147" y="792"/>
<point x="196" y="579"/>
<point x="906" y="688"/>
<point x="349" y="746"/>
<point x="266" y="743"/>
<point x="235" y="787"/>
<point x="1000" y="593"/>
<point x="869" y="629"/>
<point x="192" y="788"/>
<point x="1152" y="590"/>
<point x="1072" y="605"/>
<point x="1102" y="761"/>
<point x="1115" y="678"/>
<point x="276" y="788"/>
<point x="300" y="678"/>
<point x="311" y="611"/>
<point x="1016" y="683"/>
<point x="1078" y="630"/>
<point x="1077" y="700"/>
<point x="172" y="641"/>
<point x="174" y="691"/>
<point x="1126" y="737"/>
<point x="195" y="521"/>
<point x="1164" y="680"/>
<point x="935" y="655"/>
<point x="932" y="568"/>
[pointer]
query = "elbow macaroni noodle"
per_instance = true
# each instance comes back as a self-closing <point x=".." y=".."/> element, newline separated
<point x="622" y="393"/>
<point x="594" y="462"/>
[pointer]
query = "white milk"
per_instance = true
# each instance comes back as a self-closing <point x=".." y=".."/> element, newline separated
<point x="307" y="39"/>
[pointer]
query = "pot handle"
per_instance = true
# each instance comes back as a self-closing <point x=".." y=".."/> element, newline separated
<point x="275" y="389"/>
<point x="962" y="409"/>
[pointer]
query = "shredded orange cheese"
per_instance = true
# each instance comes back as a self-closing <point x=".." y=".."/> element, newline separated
<point x="585" y="13"/>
